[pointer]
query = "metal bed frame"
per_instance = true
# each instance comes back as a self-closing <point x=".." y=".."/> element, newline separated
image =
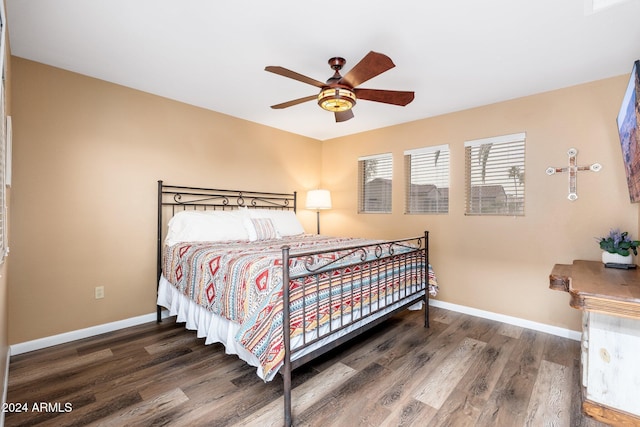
<point x="371" y="259"/>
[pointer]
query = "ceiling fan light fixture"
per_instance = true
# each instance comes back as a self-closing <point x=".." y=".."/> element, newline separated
<point x="336" y="99"/>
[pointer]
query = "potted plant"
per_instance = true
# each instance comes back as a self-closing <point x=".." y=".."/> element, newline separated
<point x="617" y="247"/>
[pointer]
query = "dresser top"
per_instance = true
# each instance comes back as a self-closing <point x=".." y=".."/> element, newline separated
<point x="593" y="287"/>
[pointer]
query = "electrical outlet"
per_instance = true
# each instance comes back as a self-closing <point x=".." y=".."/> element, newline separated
<point x="99" y="292"/>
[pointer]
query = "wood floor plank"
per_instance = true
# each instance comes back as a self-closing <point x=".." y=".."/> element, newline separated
<point x="378" y="344"/>
<point x="480" y="380"/>
<point x="335" y="406"/>
<point x="178" y="341"/>
<point x="25" y="362"/>
<point x="356" y="353"/>
<point x="362" y="409"/>
<point x="416" y="347"/>
<point x="478" y="328"/>
<point x="512" y="331"/>
<point x="409" y="343"/>
<point x="119" y="341"/>
<point x="148" y="410"/>
<point x="437" y="387"/>
<point x="415" y="369"/>
<point x="303" y="397"/>
<point x="551" y="396"/>
<point x="410" y="413"/>
<point x="82" y="415"/>
<point x="561" y="351"/>
<point x="155" y="379"/>
<point x="510" y="399"/>
<point x="457" y="410"/>
<point x="443" y="316"/>
<point x="37" y="372"/>
<point x="58" y="383"/>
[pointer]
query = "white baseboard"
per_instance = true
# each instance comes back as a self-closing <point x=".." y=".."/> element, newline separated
<point x="66" y="337"/>
<point x="541" y="327"/>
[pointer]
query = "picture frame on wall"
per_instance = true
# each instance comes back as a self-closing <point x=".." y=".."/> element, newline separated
<point x="628" y="121"/>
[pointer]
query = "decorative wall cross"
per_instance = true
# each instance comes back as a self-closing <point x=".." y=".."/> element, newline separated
<point x="573" y="170"/>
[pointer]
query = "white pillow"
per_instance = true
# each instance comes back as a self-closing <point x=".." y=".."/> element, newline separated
<point x="206" y="226"/>
<point x="286" y="222"/>
<point x="261" y="229"/>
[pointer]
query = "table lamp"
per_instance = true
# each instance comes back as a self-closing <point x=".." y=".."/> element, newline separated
<point x="317" y="200"/>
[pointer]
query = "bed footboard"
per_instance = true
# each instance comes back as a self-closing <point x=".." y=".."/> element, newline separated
<point x="352" y="291"/>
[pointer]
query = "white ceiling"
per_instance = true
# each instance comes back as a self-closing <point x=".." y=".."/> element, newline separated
<point x="454" y="54"/>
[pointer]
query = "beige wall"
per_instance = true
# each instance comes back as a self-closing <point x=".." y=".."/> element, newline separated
<point x="87" y="155"/>
<point x="502" y="264"/>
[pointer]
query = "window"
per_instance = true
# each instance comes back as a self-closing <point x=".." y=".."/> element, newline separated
<point x="495" y="175"/>
<point x="374" y="183"/>
<point x="427" y="180"/>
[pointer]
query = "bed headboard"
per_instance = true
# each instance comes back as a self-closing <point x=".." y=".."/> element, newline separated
<point x="176" y="198"/>
<point x="182" y="198"/>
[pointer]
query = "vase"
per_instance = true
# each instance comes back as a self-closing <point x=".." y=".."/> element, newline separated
<point x="608" y="257"/>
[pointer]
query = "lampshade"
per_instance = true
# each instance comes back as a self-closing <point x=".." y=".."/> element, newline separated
<point x="318" y="199"/>
<point x="336" y="99"/>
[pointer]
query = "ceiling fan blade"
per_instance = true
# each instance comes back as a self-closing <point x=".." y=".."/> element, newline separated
<point x="293" y="75"/>
<point x="343" y="116"/>
<point x="394" y="97"/>
<point x="294" y="102"/>
<point x="371" y="65"/>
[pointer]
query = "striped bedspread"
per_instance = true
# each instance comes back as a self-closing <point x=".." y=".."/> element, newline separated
<point x="242" y="281"/>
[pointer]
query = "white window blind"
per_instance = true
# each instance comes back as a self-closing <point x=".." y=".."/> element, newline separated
<point x="427" y="180"/>
<point x="374" y="183"/>
<point x="495" y="171"/>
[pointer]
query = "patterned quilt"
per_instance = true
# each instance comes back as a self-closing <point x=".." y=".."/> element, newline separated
<point x="242" y="281"/>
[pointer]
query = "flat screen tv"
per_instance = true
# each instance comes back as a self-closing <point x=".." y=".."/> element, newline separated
<point x="628" y="121"/>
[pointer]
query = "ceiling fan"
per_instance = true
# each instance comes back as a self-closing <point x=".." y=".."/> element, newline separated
<point x="339" y="94"/>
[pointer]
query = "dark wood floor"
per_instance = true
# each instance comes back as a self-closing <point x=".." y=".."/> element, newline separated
<point x="463" y="371"/>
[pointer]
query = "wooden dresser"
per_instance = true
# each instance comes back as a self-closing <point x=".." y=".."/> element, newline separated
<point x="610" y="301"/>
